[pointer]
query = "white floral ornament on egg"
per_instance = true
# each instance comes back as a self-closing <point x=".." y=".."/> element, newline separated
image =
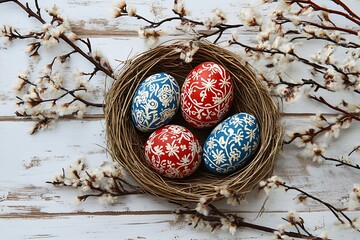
<point x="155" y="102"/>
<point x="173" y="151"/>
<point x="206" y="95"/>
<point x="231" y="144"/>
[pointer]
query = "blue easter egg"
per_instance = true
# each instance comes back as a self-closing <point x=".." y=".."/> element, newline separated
<point x="231" y="144"/>
<point x="155" y="102"/>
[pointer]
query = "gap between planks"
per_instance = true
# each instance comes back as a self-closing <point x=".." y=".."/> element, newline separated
<point x="87" y="117"/>
<point x="38" y="214"/>
<point x="115" y="32"/>
<point x="94" y="117"/>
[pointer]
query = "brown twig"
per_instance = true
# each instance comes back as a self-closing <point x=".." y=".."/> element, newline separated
<point x="352" y="16"/>
<point x="72" y="92"/>
<point x="12" y="33"/>
<point x="357" y="148"/>
<point x="338" y="213"/>
<point x="221" y="28"/>
<point x="282" y="20"/>
<point x="326" y="103"/>
<point x="318" y="67"/>
<point x="115" y="189"/>
<point x="214" y="220"/>
<point x="101" y="192"/>
<point x="298" y="225"/>
<point x="324" y="38"/>
<point x="309" y="135"/>
<point x="340" y="162"/>
<point x="41" y="123"/>
<point x="291" y="86"/>
<point x="344" y="6"/>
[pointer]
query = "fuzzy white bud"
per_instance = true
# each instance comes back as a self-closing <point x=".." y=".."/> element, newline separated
<point x="132" y="11"/>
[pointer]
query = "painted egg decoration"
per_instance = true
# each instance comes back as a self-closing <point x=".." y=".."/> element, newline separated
<point x="206" y="95"/>
<point x="173" y="151"/>
<point x="231" y="144"/>
<point x="155" y="102"/>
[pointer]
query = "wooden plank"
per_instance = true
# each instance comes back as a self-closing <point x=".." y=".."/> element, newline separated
<point x="89" y="20"/>
<point x="153" y="226"/>
<point x="95" y="23"/>
<point x="32" y="209"/>
<point x="115" y="48"/>
<point x="39" y="157"/>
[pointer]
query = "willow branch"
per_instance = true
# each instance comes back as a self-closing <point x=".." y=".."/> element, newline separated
<point x="321" y="26"/>
<point x="67" y="92"/>
<point x="336" y="212"/>
<point x="352" y="17"/>
<point x="318" y="67"/>
<point x="215" y="216"/>
<point x="221" y="28"/>
<point x="326" y="103"/>
<point x="340" y="162"/>
<point x="324" y="38"/>
<point x="344" y="6"/>
<point x="309" y="135"/>
<point x="37" y="16"/>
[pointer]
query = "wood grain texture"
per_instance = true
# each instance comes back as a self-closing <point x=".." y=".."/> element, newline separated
<point x="116" y="49"/>
<point x="41" y="156"/>
<point x="102" y="31"/>
<point x="150" y="226"/>
<point x="32" y="209"/>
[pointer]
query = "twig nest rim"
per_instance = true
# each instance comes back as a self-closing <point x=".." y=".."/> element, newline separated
<point x="126" y="144"/>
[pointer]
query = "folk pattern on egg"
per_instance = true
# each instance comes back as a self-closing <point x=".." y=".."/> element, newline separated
<point x="173" y="151"/>
<point x="231" y="144"/>
<point x="155" y="102"/>
<point x="206" y="95"/>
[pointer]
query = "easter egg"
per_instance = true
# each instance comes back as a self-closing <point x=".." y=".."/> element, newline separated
<point x="155" y="102"/>
<point x="173" y="151"/>
<point x="206" y="95"/>
<point x="231" y="144"/>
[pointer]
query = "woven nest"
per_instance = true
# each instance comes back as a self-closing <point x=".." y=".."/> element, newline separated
<point x="126" y="144"/>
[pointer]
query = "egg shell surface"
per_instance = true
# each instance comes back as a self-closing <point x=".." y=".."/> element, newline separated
<point x="173" y="151"/>
<point x="155" y="102"/>
<point x="206" y="95"/>
<point x="231" y="144"/>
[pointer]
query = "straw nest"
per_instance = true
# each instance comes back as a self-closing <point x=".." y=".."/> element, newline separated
<point x="126" y="144"/>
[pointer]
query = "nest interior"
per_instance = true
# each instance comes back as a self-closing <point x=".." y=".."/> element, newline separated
<point x="126" y="144"/>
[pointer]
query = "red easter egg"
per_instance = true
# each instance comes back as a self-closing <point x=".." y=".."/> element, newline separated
<point x="173" y="151"/>
<point x="206" y="95"/>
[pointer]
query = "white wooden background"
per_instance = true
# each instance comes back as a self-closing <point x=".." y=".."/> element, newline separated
<point x="32" y="209"/>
